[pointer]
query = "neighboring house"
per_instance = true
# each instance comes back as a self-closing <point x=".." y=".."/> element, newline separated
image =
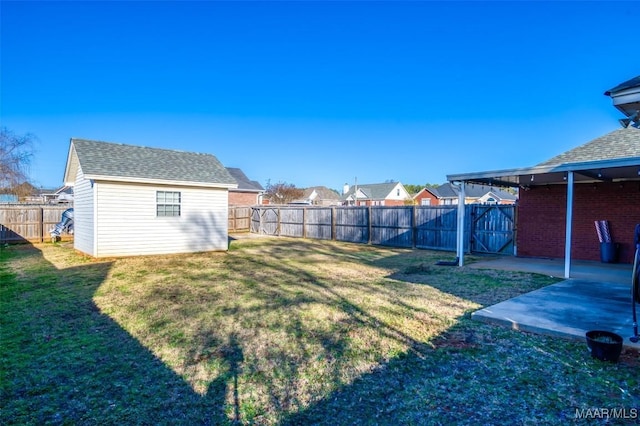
<point x="320" y="196"/>
<point x="8" y="198"/>
<point x="426" y="197"/>
<point x="248" y="192"/>
<point x="375" y="194"/>
<point x="64" y="194"/>
<point x="449" y="194"/>
<point x="134" y="200"/>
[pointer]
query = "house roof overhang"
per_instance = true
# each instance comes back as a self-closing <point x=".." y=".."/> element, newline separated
<point x="614" y="170"/>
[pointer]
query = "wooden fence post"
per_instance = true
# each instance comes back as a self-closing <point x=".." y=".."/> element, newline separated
<point x="414" y="228"/>
<point x="333" y="223"/>
<point x="370" y="227"/>
<point x="41" y="220"/>
<point x="304" y="222"/>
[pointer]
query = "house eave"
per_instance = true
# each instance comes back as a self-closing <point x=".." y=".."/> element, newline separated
<point x="120" y="179"/>
<point x="589" y="171"/>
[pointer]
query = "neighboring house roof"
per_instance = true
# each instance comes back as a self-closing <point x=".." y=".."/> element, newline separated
<point x="244" y="184"/>
<point x="448" y="190"/>
<point x="322" y="193"/>
<point x="621" y="143"/>
<point x="372" y="191"/>
<point x="432" y="191"/>
<point x="129" y="163"/>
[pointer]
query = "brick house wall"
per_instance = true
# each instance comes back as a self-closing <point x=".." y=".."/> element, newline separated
<point x="242" y="198"/>
<point x="424" y="194"/>
<point x="542" y="214"/>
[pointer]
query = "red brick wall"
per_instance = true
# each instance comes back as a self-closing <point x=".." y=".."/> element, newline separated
<point x="426" y="194"/>
<point x="242" y="198"/>
<point x="542" y="214"/>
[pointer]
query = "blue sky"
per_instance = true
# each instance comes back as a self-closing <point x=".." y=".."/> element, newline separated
<point x="318" y="93"/>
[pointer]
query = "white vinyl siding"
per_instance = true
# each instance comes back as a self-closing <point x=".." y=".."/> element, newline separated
<point x="128" y="225"/>
<point x="83" y="215"/>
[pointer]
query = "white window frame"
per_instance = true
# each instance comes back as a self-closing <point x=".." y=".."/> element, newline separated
<point x="168" y="203"/>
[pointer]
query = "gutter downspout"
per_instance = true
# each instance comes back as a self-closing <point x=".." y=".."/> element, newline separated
<point x="569" y="220"/>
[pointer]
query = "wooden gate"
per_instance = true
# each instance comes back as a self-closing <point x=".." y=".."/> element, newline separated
<point x="493" y="229"/>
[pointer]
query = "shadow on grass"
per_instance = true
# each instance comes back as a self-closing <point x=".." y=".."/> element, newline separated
<point x="64" y="362"/>
<point x="283" y="344"/>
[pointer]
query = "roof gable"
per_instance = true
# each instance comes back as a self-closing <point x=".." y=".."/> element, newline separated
<point x="621" y="143"/>
<point x="111" y="161"/>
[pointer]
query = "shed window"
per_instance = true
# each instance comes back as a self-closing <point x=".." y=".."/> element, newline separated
<point x="167" y="203"/>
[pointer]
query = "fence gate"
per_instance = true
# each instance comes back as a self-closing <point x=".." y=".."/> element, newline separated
<point x="492" y="229"/>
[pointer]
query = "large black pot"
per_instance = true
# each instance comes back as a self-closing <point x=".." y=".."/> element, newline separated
<point x="604" y="345"/>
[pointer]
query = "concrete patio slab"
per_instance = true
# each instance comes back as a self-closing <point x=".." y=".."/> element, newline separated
<point x="571" y="307"/>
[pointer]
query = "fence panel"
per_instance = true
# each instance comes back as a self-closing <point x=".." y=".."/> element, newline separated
<point x="239" y="219"/>
<point x="318" y="223"/>
<point x="436" y="227"/>
<point x="270" y="221"/>
<point x="21" y="223"/>
<point x="352" y="224"/>
<point x="292" y="221"/>
<point x="428" y="227"/>
<point x="493" y="229"/>
<point x="392" y="226"/>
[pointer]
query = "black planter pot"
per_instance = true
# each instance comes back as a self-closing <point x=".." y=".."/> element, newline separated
<point x="604" y="345"/>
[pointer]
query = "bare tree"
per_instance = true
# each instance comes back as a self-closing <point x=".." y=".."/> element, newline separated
<point x="282" y="192"/>
<point x="15" y="157"/>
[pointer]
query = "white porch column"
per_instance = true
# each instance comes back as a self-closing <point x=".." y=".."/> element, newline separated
<point x="460" y="230"/>
<point x="569" y="220"/>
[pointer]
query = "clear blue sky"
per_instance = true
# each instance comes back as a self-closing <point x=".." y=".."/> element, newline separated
<point x="318" y="93"/>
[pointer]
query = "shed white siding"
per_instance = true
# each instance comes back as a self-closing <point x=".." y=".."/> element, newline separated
<point x="127" y="224"/>
<point x="83" y="215"/>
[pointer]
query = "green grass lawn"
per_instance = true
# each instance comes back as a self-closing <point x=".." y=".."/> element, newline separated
<point x="283" y="331"/>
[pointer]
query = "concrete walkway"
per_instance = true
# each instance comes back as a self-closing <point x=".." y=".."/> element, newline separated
<point x="597" y="297"/>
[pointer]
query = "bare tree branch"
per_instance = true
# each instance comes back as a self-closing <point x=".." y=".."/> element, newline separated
<point x="282" y="192"/>
<point x="16" y="152"/>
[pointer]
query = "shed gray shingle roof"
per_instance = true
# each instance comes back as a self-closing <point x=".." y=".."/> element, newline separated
<point x="621" y="143"/>
<point x="108" y="159"/>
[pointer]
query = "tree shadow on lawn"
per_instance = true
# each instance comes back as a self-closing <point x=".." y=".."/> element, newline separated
<point x="279" y="360"/>
<point x="64" y="362"/>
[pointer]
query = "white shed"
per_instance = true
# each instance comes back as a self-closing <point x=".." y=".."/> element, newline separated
<point x="134" y="200"/>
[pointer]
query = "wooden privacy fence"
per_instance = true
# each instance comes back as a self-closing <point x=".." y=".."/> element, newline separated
<point x="488" y="228"/>
<point x="21" y="223"/>
<point x="239" y="218"/>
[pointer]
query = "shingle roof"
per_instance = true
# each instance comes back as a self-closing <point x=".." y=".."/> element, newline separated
<point x="243" y="181"/>
<point x="323" y="192"/>
<point x="621" y="143"/>
<point x="106" y="159"/>
<point x="448" y="190"/>
<point x="373" y="191"/>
